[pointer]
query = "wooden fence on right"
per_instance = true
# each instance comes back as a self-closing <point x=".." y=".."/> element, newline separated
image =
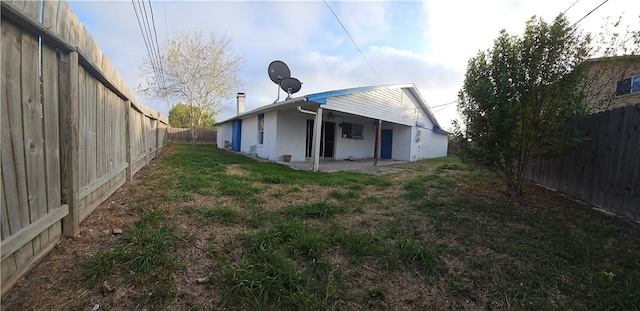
<point x="183" y="135"/>
<point x="604" y="171"/>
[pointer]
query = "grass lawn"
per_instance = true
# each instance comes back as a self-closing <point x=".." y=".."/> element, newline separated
<point x="218" y="230"/>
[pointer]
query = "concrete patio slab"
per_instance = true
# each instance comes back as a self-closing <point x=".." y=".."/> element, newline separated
<point x="361" y="165"/>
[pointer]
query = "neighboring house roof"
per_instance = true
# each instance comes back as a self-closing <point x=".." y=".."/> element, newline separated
<point x="321" y="99"/>
<point x="632" y="58"/>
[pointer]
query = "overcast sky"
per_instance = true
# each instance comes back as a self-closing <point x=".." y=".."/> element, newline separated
<point x="427" y="43"/>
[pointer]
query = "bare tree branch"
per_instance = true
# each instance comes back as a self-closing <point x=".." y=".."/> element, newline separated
<point x="199" y="72"/>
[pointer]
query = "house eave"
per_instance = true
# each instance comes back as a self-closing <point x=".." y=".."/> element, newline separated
<point x="285" y="104"/>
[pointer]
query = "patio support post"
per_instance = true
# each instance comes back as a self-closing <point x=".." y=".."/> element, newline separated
<point x="378" y="138"/>
<point x="317" y="128"/>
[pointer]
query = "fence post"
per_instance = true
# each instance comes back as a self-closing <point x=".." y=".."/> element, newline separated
<point x="157" y="136"/>
<point x="127" y="139"/>
<point x="68" y="83"/>
<point x="145" y="140"/>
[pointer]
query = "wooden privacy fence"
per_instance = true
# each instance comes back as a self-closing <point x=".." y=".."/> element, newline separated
<point x="178" y="134"/>
<point x="605" y="171"/>
<point x="72" y="132"/>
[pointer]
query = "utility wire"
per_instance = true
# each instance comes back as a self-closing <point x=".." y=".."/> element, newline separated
<point x="576" y="23"/>
<point x="152" y="45"/>
<point x="565" y="11"/>
<point x="144" y="38"/>
<point x="153" y="21"/>
<point x="142" y="18"/>
<point x="438" y="110"/>
<point x="354" y="43"/>
<point x="445" y="104"/>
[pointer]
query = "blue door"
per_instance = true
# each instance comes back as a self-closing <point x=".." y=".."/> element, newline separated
<point x="386" y="141"/>
<point x="236" y="134"/>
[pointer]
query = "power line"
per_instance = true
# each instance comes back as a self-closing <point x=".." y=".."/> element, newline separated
<point x="576" y="23"/>
<point x="152" y="44"/>
<point x="148" y="38"/>
<point x="153" y="21"/>
<point x="441" y="108"/>
<point x="144" y="38"/>
<point x="354" y="43"/>
<point x="565" y="11"/>
<point x="445" y="104"/>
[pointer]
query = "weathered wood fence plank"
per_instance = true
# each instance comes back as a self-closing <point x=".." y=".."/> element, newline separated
<point x="13" y="172"/>
<point x="605" y="170"/>
<point x="72" y="131"/>
<point x="177" y="134"/>
<point x="28" y="233"/>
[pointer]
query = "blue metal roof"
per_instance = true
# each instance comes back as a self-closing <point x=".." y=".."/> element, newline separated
<point x="437" y="129"/>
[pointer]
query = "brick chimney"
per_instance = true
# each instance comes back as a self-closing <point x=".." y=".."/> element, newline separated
<point x="240" y="98"/>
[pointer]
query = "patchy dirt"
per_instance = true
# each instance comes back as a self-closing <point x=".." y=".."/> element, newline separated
<point x="55" y="283"/>
<point x="56" y="280"/>
<point x="235" y="170"/>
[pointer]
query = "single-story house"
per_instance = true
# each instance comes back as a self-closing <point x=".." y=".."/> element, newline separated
<point x="381" y="122"/>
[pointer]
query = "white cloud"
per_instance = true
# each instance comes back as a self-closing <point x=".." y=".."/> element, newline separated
<point x="458" y="29"/>
<point x="307" y="37"/>
<point x="367" y="22"/>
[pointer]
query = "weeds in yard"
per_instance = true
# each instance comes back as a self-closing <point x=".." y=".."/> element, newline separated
<point x="321" y="210"/>
<point x="440" y="228"/>
<point x="224" y="215"/>
<point x="284" y="267"/>
<point x="359" y="244"/>
<point x="144" y="256"/>
<point x="345" y="195"/>
<point x="178" y="196"/>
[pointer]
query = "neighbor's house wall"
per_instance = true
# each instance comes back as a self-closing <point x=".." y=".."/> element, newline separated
<point x="291" y="137"/>
<point x="357" y="148"/>
<point x="604" y="73"/>
<point x="225" y="133"/>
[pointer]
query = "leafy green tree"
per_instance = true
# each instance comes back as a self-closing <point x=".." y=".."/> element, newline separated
<point x="458" y="144"/>
<point x="520" y="97"/>
<point x="180" y="116"/>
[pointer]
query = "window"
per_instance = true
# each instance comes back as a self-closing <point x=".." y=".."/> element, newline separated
<point x="628" y="86"/>
<point x="261" y="129"/>
<point x="351" y="130"/>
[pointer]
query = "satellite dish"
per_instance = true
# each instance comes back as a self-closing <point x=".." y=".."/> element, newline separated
<point x="278" y="70"/>
<point x="290" y="85"/>
<point x="280" y="74"/>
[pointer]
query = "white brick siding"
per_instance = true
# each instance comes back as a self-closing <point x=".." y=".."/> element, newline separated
<point x="224" y="134"/>
<point x="291" y="135"/>
<point x="268" y="148"/>
<point x="249" y="133"/>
